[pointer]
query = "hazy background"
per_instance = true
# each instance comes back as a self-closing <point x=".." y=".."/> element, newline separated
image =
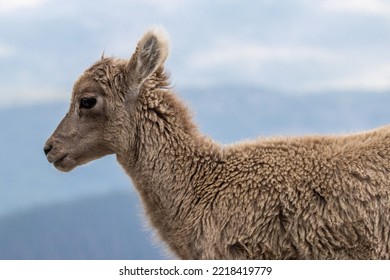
<point x="246" y="68"/>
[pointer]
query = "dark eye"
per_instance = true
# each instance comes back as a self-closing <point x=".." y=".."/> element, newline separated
<point x="87" y="102"/>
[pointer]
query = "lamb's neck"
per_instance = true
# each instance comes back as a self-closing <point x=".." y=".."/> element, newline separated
<point x="168" y="172"/>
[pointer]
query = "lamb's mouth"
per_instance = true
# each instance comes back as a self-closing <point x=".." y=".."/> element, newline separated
<point x="64" y="163"/>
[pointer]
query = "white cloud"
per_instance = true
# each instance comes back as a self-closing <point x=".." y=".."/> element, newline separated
<point x="5" y="51"/>
<point x="373" y="7"/>
<point x="7" y="6"/>
<point x="377" y="78"/>
<point x="243" y="53"/>
<point x="232" y="54"/>
<point x="290" y="68"/>
<point x="21" y="95"/>
<point x="282" y="67"/>
<point x="167" y="7"/>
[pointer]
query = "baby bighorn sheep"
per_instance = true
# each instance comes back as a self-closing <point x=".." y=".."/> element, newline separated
<point x="293" y="198"/>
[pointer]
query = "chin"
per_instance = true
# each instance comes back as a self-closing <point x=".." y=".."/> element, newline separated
<point x="68" y="163"/>
<point x="65" y="165"/>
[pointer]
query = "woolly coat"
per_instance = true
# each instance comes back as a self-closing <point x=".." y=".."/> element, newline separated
<point x="316" y="197"/>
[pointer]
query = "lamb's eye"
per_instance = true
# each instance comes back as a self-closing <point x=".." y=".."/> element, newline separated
<point x="87" y="102"/>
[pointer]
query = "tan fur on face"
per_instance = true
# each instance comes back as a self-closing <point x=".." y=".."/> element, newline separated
<point x="311" y="197"/>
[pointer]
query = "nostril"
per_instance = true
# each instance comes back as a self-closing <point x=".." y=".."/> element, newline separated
<point x="47" y="149"/>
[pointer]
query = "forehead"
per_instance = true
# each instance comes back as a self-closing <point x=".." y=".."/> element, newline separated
<point x="86" y="83"/>
<point x="96" y="78"/>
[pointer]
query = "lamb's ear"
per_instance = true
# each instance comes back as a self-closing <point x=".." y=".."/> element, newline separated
<point x="150" y="54"/>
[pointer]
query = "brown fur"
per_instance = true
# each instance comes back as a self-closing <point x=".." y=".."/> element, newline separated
<point x="318" y="197"/>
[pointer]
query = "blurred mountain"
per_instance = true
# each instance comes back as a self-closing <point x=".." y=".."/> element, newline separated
<point x="99" y="227"/>
<point x="235" y="113"/>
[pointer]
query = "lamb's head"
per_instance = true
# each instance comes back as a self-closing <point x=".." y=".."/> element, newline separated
<point x="102" y="111"/>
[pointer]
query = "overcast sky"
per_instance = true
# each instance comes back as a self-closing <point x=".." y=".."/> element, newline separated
<point x="295" y="46"/>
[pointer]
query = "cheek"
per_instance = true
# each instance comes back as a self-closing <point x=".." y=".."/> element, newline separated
<point x="89" y="132"/>
<point x="117" y="134"/>
<point x="95" y="143"/>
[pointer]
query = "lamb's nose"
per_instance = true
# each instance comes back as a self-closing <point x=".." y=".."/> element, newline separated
<point x="47" y="148"/>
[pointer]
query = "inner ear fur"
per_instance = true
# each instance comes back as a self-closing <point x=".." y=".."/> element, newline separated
<point x="150" y="54"/>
